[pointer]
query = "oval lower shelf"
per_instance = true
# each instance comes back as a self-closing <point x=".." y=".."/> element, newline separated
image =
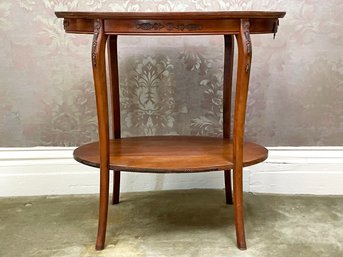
<point x="170" y="154"/>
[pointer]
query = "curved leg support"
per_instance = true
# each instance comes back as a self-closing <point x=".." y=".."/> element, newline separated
<point x="99" y="76"/>
<point x="243" y="74"/>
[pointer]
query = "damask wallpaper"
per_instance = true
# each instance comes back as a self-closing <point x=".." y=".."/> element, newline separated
<point x="171" y="85"/>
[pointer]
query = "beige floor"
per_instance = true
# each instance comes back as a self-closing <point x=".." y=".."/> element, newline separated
<point x="172" y="223"/>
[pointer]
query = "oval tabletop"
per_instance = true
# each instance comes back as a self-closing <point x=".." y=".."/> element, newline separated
<point x="171" y="23"/>
<point x="170" y="154"/>
<point x="172" y="15"/>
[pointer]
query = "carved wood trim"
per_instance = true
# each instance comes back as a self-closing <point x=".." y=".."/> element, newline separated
<point x="150" y="26"/>
<point x="168" y="26"/>
<point x="192" y="26"/>
<point x="97" y="27"/>
<point x="246" y="31"/>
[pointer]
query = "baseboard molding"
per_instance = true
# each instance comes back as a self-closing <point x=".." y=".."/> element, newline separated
<point x="288" y="170"/>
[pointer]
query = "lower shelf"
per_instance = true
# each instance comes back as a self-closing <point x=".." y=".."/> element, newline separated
<point x="170" y="154"/>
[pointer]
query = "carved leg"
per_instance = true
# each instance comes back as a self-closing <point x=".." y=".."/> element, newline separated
<point x="243" y="73"/>
<point x="112" y="47"/>
<point x="228" y="190"/>
<point x="99" y="76"/>
<point x="116" y="187"/>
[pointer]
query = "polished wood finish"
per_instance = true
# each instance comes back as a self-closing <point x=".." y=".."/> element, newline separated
<point x="228" y="187"/>
<point x="172" y="15"/>
<point x="112" y="53"/>
<point x="243" y="73"/>
<point x="191" y="23"/>
<point x="116" y="187"/>
<point x="227" y="84"/>
<point x="114" y="83"/>
<point x="227" y="95"/>
<point x="99" y="76"/>
<point x="176" y="154"/>
<point x="170" y="27"/>
<point x="170" y="154"/>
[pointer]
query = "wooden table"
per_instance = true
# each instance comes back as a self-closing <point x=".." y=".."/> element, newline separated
<point x="166" y="154"/>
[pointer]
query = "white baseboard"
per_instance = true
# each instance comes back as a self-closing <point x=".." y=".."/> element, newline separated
<point x="288" y="170"/>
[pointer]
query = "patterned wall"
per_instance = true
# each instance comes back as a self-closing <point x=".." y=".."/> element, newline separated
<point x="171" y="85"/>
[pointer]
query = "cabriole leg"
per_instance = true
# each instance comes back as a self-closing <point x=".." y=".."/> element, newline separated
<point x="99" y="76"/>
<point x="243" y="73"/>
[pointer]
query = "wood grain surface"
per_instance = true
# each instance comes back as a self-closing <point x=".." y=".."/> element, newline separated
<point x="170" y="154"/>
<point x="171" y="15"/>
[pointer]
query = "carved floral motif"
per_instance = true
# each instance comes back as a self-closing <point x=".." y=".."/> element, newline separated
<point x="187" y="27"/>
<point x="97" y="27"/>
<point x="168" y="26"/>
<point x="150" y="26"/>
<point x="246" y="27"/>
<point x="246" y="32"/>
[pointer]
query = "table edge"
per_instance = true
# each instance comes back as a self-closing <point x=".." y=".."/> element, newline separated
<point x="78" y="152"/>
<point x="172" y="15"/>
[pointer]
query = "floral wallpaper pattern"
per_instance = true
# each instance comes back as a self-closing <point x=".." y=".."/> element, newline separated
<point x="147" y="97"/>
<point x="171" y="85"/>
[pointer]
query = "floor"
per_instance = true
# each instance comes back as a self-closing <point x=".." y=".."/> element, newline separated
<point x="186" y="223"/>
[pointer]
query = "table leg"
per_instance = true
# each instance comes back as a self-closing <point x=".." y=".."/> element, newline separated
<point x="99" y="76"/>
<point x="228" y="190"/>
<point x="116" y="187"/>
<point x="227" y="95"/>
<point x="243" y="74"/>
<point x="112" y="52"/>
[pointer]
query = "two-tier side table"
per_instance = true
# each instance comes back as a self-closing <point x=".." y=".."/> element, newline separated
<point x="171" y="154"/>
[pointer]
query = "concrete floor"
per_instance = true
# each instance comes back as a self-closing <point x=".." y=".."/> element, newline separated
<point x="172" y="223"/>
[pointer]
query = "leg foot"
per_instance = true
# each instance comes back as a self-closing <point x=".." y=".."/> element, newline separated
<point x="103" y="209"/>
<point x="238" y="208"/>
<point x="241" y="247"/>
<point x="99" y="247"/>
